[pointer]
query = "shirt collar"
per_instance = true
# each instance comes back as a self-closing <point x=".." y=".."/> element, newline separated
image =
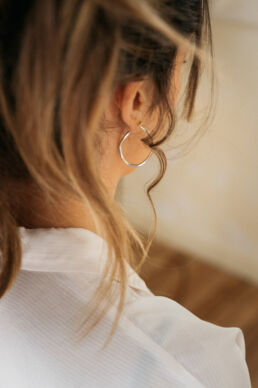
<point x="68" y="250"/>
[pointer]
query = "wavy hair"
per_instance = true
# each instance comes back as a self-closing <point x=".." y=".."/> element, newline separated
<point x="60" y="63"/>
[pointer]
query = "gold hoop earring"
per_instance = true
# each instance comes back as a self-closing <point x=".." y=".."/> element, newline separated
<point x="121" y="151"/>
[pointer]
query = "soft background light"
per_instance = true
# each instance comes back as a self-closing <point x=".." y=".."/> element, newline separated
<point x="207" y="203"/>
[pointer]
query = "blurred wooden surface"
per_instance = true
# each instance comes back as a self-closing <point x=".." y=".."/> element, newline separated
<point x="209" y="293"/>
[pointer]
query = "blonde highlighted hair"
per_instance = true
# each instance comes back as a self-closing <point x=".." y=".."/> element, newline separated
<point x="61" y="62"/>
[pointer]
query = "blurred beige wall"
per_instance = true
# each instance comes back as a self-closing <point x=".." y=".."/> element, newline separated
<point x="207" y="203"/>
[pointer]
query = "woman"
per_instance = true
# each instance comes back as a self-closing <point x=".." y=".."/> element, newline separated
<point x="88" y="90"/>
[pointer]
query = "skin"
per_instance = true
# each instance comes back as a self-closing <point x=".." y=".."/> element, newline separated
<point x="32" y="208"/>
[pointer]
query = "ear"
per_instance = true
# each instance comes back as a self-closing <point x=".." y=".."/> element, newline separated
<point x="132" y="99"/>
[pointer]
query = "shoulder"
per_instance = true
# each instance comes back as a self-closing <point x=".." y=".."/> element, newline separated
<point x="215" y="355"/>
<point x="158" y="341"/>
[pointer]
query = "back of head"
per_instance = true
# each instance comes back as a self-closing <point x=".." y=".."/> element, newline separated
<point x="60" y="64"/>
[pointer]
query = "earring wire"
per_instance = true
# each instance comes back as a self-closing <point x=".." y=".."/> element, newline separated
<point x="123" y="140"/>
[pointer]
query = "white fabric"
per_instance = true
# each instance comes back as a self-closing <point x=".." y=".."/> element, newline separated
<point x="158" y="342"/>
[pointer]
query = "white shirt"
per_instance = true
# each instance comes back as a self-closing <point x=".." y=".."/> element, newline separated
<point x="158" y="343"/>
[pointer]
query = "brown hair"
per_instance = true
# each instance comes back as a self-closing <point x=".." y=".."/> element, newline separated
<point x="60" y="63"/>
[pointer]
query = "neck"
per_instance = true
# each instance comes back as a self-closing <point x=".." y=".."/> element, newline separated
<point x="32" y="209"/>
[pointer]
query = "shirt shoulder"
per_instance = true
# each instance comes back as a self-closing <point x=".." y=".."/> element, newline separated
<point x="215" y="355"/>
<point x="38" y="321"/>
<point x="157" y="343"/>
